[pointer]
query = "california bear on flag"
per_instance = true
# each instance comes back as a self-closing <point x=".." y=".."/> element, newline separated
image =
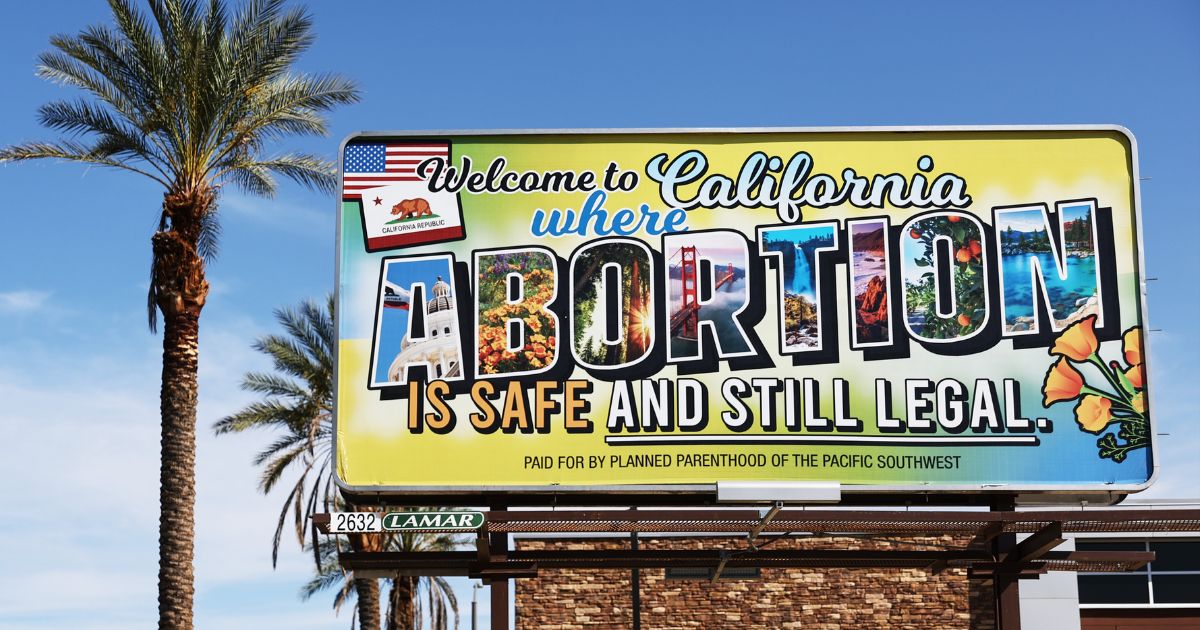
<point x="398" y="210"/>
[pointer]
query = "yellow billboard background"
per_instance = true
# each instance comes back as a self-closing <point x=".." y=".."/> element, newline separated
<point x="376" y="451"/>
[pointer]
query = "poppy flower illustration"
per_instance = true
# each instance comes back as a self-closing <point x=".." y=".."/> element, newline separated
<point x="1119" y="402"/>
<point x="1134" y="376"/>
<point x="1093" y="413"/>
<point x="1063" y="382"/>
<point x="1078" y="342"/>
<point x="1131" y="343"/>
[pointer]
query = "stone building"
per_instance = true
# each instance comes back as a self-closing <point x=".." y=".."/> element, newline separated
<point x="752" y="598"/>
<point x="1163" y="594"/>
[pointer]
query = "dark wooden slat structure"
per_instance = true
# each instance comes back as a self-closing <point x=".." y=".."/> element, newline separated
<point x="990" y="552"/>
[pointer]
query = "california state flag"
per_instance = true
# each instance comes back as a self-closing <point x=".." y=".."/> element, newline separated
<point x="406" y="214"/>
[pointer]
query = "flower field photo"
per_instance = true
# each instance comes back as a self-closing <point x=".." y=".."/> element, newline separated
<point x="537" y="346"/>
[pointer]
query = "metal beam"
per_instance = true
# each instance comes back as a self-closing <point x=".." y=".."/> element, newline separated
<point x="983" y="525"/>
<point x="754" y="532"/>
<point x="988" y="532"/>
<point x="766" y="520"/>
<point x="720" y="567"/>
<point x="498" y="581"/>
<point x="493" y="561"/>
<point x="1036" y="545"/>
<point x="483" y="548"/>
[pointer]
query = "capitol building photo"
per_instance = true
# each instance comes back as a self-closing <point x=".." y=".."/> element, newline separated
<point x="439" y="348"/>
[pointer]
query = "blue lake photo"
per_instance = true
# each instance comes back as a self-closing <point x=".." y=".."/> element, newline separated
<point x="1066" y="296"/>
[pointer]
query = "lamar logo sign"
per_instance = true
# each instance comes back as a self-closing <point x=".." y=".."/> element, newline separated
<point x="410" y="521"/>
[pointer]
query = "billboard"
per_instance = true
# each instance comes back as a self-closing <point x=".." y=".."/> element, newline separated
<point x="929" y="309"/>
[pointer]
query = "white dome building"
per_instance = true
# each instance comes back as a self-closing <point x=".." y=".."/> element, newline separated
<point x="439" y="349"/>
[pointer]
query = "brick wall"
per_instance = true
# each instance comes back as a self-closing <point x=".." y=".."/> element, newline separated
<point x="780" y="598"/>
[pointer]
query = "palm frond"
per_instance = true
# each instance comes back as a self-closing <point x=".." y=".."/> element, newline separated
<point x="275" y="385"/>
<point x="296" y="404"/>
<point x="289" y="356"/>
<point x="311" y="171"/>
<point x="117" y="138"/>
<point x="293" y="497"/>
<point x="329" y="573"/>
<point x="210" y="235"/>
<point x="194" y="95"/>
<point x="278" y="458"/>
<point x="70" y="151"/>
<point x="446" y="597"/>
<point x="265" y="413"/>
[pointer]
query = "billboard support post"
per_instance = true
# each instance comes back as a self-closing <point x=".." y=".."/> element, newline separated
<point x="635" y="585"/>
<point x="1006" y="585"/>
<point x="497" y="551"/>
<point x="500" y="604"/>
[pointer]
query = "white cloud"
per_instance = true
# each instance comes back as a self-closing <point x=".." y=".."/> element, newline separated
<point x="23" y="301"/>
<point x="278" y="213"/>
<point x="82" y="457"/>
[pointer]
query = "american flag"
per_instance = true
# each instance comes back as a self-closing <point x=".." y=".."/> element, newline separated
<point x="379" y="164"/>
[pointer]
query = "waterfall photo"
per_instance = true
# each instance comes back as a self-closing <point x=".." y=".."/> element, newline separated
<point x="798" y="249"/>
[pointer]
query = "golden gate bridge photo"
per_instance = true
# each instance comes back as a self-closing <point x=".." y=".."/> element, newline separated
<point x="685" y="321"/>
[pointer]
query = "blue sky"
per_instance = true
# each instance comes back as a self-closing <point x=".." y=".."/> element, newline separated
<point x="79" y="371"/>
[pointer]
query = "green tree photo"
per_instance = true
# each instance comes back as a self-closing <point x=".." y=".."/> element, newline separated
<point x="191" y="96"/>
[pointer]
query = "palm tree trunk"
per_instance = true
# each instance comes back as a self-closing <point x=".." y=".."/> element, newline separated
<point x="179" y="290"/>
<point x="177" y="492"/>
<point x="402" y="603"/>
<point x="368" y="603"/>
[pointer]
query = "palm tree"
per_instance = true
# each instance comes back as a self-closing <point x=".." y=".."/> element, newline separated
<point x="406" y="607"/>
<point x="410" y="598"/>
<point x="298" y="403"/>
<point x="188" y="97"/>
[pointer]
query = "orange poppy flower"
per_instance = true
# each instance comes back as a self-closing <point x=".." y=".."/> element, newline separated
<point x="1063" y="382"/>
<point x="1093" y="413"/>
<point x="1132" y="344"/>
<point x="1078" y="342"/>
<point x="1139" y="403"/>
<point x="1135" y="376"/>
